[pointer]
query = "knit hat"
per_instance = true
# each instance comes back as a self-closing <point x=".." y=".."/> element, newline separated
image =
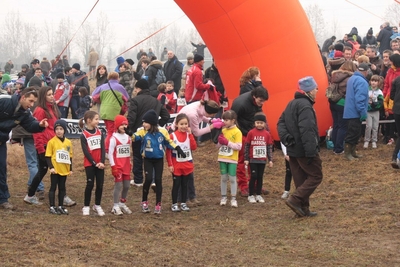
<point x="260" y="117"/>
<point x="76" y="66"/>
<point x="339" y="46"/>
<point x="6" y="78"/>
<point x="120" y="60"/>
<point x="142" y="84"/>
<point x="150" y="117"/>
<point x="61" y="123"/>
<point x="25" y="66"/>
<point x="21" y="80"/>
<point x="60" y="75"/>
<point x="395" y="58"/>
<point x="338" y="54"/>
<point x="189" y="55"/>
<point x="370" y="31"/>
<point x="198" y="58"/>
<point x="130" y="61"/>
<point x="35" y="81"/>
<point x="307" y="84"/>
<point x="119" y="120"/>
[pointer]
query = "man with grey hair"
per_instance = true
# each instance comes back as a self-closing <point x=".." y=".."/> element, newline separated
<point x="384" y="37"/>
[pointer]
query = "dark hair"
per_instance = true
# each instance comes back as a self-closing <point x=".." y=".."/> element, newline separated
<point x="161" y="87"/>
<point x="97" y="71"/>
<point x="43" y="103"/>
<point x="38" y="69"/>
<point x="27" y="92"/>
<point x="89" y="115"/>
<point x="67" y="69"/>
<point x="170" y="82"/>
<point x="259" y="92"/>
<point x="153" y="129"/>
<point x="229" y="115"/>
<point x="146" y="61"/>
<point x="180" y="117"/>
<point x="83" y="91"/>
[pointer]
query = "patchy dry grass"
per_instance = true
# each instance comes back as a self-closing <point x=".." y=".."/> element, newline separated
<point x="357" y="225"/>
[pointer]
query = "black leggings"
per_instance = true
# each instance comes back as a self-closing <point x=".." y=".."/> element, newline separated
<point x="157" y="166"/>
<point x="57" y="180"/>
<point x="180" y="182"/>
<point x="42" y="170"/>
<point x="257" y="173"/>
<point x="93" y="172"/>
<point x="288" y="176"/>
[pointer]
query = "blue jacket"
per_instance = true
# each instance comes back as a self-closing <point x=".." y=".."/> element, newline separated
<point x="356" y="105"/>
<point x="10" y="117"/>
<point x="153" y="144"/>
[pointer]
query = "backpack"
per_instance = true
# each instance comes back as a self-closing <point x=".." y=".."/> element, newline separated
<point x="332" y="92"/>
<point x="160" y="77"/>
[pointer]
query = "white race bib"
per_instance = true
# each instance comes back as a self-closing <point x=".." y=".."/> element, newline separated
<point x="188" y="154"/>
<point x="62" y="156"/>
<point x="123" y="151"/>
<point x="94" y="142"/>
<point x="259" y="152"/>
<point x="225" y="151"/>
<point x="181" y="102"/>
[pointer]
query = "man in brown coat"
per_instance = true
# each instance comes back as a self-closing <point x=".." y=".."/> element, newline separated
<point x="92" y="62"/>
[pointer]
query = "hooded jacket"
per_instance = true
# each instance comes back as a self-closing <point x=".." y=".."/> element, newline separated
<point x="384" y="39"/>
<point x="173" y="72"/>
<point x="341" y="77"/>
<point x="356" y="105"/>
<point x="42" y="138"/>
<point x="245" y="108"/>
<point x="151" y="73"/>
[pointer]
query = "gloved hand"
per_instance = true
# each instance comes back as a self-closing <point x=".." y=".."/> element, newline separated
<point x="127" y="131"/>
<point x="310" y="160"/>
<point x="217" y="123"/>
<point x="222" y="140"/>
<point x="180" y="152"/>
<point x="115" y="171"/>
<point x="363" y="117"/>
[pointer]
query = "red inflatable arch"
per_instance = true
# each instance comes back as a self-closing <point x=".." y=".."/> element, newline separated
<point x="275" y="36"/>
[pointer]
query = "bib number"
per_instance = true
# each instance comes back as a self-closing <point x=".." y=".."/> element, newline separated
<point x="188" y="156"/>
<point x="62" y="156"/>
<point x="225" y="151"/>
<point x="259" y="152"/>
<point x="123" y="151"/>
<point x="181" y="102"/>
<point x="94" y="142"/>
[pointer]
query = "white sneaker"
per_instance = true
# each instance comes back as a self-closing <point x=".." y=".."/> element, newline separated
<point x="135" y="184"/>
<point x="234" y="203"/>
<point x="86" y="211"/>
<point x="251" y="199"/>
<point x="98" y="210"/>
<point x="116" y="211"/>
<point x="374" y="145"/>
<point x="69" y="202"/>
<point x="32" y="200"/>
<point x="285" y="195"/>
<point x="124" y="208"/>
<point x="223" y="201"/>
<point x="260" y="199"/>
<point x="175" y="208"/>
<point x="366" y="145"/>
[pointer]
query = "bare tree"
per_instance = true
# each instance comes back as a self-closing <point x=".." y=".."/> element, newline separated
<point x="63" y="36"/>
<point x="334" y="27"/>
<point x="85" y="40"/>
<point x="104" y="35"/>
<point x="12" y="32"/>
<point x="176" y="40"/>
<point x="316" y="19"/>
<point x="392" y="14"/>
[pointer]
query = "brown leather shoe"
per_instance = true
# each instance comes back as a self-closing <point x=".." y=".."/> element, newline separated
<point x="394" y="164"/>
<point x="7" y="206"/>
<point x="309" y="213"/>
<point x="295" y="208"/>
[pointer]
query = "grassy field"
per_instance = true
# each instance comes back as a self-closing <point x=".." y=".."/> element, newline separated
<point x="357" y="222"/>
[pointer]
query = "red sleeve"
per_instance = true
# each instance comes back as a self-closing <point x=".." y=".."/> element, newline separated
<point x="38" y="138"/>
<point x="198" y="81"/>
<point x="193" y="143"/>
<point x="169" y="154"/>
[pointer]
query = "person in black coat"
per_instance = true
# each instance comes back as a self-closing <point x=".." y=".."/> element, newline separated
<point x="327" y="44"/>
<point x="151" y="73"/>
<point x="173" y="71"/>
<point x="369" y="39"/>
<point x="384" y="37"/>
<point x="298" y="131"/>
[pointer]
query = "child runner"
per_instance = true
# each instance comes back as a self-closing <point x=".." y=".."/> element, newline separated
<point x="85" y="102"/>
<point x="375" y="103"/>
<point x="59" y="159"/>
<point x="119" y="155"/>
<point x="181" y="101"/>
<point x="288" y="174"/>
<point x="181" y="168"/>
<point x="230" y="141"/>
<point x="92" y="142"/>
<point x="154" y="140"/>
<point x="161" y="94"/>
<point x="258" y="148"/>
<point x="171" y="97"/>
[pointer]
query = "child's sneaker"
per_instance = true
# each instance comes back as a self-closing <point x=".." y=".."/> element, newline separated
<point x="145" y="207"/>
<point x="32" y="200"/>
<point x="285" y="195"/>
<point x="366" y="145"/>
<point x="251" y="199"/>
<point x="124" y="208"/>
<point x="184" y="207"/>
<point x="116" y="211"/>
<point x="62" y="210"/>
<point x="157" y="209"/>
<point x="260" y="199"/>
<point x="390" y="142"/>
<point x="175" y="208"/>
<point x="86" y="211"/>
<point x="234" y="203"/>
<point x="69" y="202"/>
<point x="223" y="201"/>
<point x="374" y="145"/>
<point x="54" y="210"/>
<point x="98" y="210"/>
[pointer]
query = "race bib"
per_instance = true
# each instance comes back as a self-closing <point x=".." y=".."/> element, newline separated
<point x="62" y="156"/>
<point x="259" y="152"/>
<point x="123" y="151"/>
<point x="94" y="142"/>
<point x="225" y="151"/>
<point x="188" y="154"/>
<point x="181" y="102"/>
